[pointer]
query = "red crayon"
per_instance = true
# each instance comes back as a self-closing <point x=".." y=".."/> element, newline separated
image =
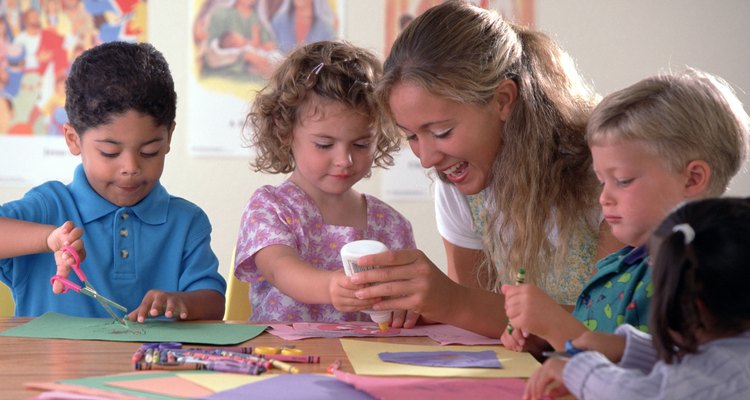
<point x="292" y="359"/>
<point x="140" y="366"/>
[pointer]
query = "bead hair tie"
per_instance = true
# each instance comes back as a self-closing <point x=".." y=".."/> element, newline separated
<point x="686" y="230"/>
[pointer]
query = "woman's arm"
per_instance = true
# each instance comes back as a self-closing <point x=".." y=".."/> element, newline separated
<point x="464" y="265"/>
<point x="412" y="282"/>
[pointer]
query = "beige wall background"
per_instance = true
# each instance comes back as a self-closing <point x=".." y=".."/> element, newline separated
<point x="615" y="43"/>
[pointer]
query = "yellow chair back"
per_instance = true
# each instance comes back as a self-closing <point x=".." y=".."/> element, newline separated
<point x="7" y="305"/>
<point x="237" y="306"/>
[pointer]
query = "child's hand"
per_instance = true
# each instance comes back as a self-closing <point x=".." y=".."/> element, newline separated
<point x="611" y="345"/>
<point x="547" y="381"/>
<point x="63" y="236"/>
<point x="531" y="311"/>
<point x="341" y="290"/>
<point x="514" y="341"/>
<point x="157" y="302"/>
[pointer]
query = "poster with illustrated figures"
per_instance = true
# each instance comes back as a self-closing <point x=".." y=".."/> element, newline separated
<point x="38" y="41"/>
<point x="236" y="45"/>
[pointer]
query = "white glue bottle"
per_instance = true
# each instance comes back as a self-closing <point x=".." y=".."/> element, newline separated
<point x="349" y="255"/>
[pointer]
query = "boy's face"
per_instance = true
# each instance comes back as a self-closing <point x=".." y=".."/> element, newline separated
<point x="638" y="190"/>
<point x="124" y="159"/>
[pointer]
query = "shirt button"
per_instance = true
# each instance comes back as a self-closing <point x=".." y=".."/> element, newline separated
<point x="124" y="253"/>
<point x="124" y="216"/>
<point x="124" y="232"/>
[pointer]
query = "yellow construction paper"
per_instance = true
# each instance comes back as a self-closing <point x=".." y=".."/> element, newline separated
<point x="364" y="358"/>
<point x="219" y="382"/>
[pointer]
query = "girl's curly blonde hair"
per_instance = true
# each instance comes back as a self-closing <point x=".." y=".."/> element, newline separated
<point x="331" y="70"/>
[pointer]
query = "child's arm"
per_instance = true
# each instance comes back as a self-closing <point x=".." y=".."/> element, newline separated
<point x="282" y="267"/>
<point x="532" y="311"/>
<point x="204" y="304"/>
<point x="547" y="381"/>
<point x="21" y="238"/>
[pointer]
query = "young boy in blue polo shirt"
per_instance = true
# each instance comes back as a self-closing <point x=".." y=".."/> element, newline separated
<point x="144" y="248"/>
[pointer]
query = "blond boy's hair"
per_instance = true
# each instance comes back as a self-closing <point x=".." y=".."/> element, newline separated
<point x="680" y="117"/>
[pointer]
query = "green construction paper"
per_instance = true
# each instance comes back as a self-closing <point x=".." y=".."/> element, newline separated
<point x="59" y="326"/>
<point x="100" y="382"/>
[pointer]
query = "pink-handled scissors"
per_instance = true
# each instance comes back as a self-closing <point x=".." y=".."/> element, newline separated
<point x="87" y="289"/>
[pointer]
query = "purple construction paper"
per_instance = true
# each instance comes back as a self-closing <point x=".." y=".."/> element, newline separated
<point x="451" y="359"/>
<point x="294" y="386"/>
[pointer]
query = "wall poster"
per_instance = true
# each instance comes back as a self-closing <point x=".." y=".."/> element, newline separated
<point x="38" y="41"/>
<point x="236" y="45"/>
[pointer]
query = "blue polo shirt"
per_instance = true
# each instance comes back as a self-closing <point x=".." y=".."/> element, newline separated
<point x="619" y="293"/>
<point x="163" y="242"/>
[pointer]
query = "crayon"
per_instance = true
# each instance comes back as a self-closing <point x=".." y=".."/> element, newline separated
<point x="520" y="278"/>
<point x="243" y="350"/>
<point x="284" y="366"/>
<point x="267" y="350"/>
<point x="141" y="366"/>
<point x="293" y="359"/>
<point x="334" y="366"/>
<point x="289" y="351"/>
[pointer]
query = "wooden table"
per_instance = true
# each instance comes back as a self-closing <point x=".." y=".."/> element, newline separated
<point x="47" y="360"/>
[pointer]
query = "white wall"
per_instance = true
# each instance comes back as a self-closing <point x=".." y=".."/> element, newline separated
<point x="615" y="43"/>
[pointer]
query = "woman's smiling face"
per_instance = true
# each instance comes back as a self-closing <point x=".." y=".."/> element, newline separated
<point x="460" y="140"/>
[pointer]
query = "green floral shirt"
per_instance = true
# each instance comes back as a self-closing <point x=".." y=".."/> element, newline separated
<point x="619" y="293"/>
<point x="562" y="284"/>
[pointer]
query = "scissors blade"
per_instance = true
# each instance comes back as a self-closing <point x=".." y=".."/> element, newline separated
<point x="105" y="302"/>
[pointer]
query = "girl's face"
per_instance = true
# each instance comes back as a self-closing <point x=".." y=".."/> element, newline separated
<point x="333" y="148"/>
<point x="459" y="140"/>
<point x="124" y="159"/>
<point x="638" y="190"/>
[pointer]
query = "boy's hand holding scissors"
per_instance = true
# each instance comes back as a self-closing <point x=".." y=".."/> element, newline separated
<point x="65" y="235"/>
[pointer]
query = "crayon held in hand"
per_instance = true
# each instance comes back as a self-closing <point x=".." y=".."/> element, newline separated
<point x="520" y="278"/>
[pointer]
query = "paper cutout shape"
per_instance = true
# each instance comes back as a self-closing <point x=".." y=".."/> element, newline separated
<point x="295" y="386"/>
<point x="443" y="334"/>
<point x="363" y="356"/>
<point x="452" y="359"/>
<point x="219" y="381"/>
<point x="98" y="385"/>
<point x="59" y="326"/>
<point x="168" y="386"/>
<point x="435" y="389"/>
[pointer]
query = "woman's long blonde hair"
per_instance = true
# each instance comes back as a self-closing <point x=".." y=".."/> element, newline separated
<point x="541" y="179"/>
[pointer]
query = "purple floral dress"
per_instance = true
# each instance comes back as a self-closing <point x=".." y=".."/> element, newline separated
<point x="286" y="215"/>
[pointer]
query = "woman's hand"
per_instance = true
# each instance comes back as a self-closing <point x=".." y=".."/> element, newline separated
<point x="408" y="280"/>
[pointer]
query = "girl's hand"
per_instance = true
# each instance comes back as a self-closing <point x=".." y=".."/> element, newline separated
<point x="341" y="290"/>
<point x="611" y="345"/>
<point x="407" y="281"/>
<point x="157" y="302"/>
<point x="547" y="381"/>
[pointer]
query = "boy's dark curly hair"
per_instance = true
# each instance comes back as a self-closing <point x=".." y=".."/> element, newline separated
<point x="115" y="77"/>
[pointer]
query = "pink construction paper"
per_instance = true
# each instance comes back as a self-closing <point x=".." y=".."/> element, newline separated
<point x="441" y="333"/>
<point x="436" y="388"/>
